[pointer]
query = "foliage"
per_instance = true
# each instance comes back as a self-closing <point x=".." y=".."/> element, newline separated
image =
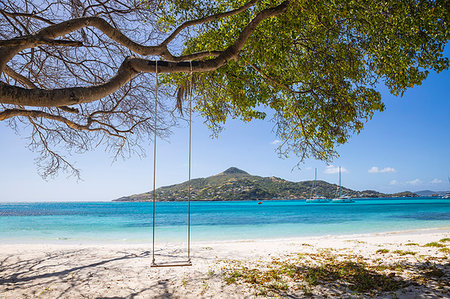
<point x="434" y="244"/>
<point x="315" y="70"/>
<point x="290" y="276"/>
<point x="404" y="252"/>
<point x="341" y="272"/>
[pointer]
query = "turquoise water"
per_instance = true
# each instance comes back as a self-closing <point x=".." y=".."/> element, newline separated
<point x="121" y="222"/>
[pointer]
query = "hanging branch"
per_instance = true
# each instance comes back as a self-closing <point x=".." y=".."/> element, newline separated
<point x="129" y="68"/>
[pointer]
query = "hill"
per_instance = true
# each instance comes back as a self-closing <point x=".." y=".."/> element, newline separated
<point x="429" y="193"/>
<point x="236" y="184"/>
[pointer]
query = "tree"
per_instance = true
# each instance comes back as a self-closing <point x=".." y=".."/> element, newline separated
<point x="77" y="71"/>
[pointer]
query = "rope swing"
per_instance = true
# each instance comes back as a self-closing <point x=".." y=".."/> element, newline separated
<point x="188" y="261"/>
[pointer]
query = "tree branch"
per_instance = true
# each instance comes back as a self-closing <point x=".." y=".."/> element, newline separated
<point x="18" y="77"/>
<point x="37" y="40"/>
<point x="8" y="113"/>
<point x="27" y="15"/>
<point x="207" y="19"/>
<point x="191" y="57"/>
<point x="46" y="153"/>
<point x="49" y="34"/>
<point x="69" y="109"/>
<point x="276" y="82"/>
<point x="129" y="68"/>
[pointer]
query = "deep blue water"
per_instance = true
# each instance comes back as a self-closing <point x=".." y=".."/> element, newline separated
<point x="122" y="222"/>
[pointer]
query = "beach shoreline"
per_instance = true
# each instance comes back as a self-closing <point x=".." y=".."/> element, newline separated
<point x="123" y="270"/>
<point x="130" y="242"/>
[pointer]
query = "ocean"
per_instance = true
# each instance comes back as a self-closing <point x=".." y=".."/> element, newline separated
<point x="131" y="222"/>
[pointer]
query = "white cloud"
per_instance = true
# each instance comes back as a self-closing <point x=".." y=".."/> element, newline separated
<point x="414" y="182"/>
<point x="393" y="182"/>
<point x="276" y="142"/>
<point x="436" y="181"/>
<point x="334" y="169"/>
<point x="375" y="169"/>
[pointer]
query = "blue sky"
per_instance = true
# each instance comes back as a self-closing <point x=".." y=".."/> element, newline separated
<point x="406" y="147"/>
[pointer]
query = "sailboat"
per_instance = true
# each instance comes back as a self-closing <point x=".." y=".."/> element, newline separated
<point x="341" y="198"/>
<point x="447" y="195"/>
<point x="315" y="198"/>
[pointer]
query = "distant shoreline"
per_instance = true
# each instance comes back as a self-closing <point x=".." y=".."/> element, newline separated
<point x="116" y="200"/>
<point x="236" y="183"/>
<point x="297" y="199"/>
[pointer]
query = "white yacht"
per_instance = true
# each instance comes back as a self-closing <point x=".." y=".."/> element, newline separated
<point x="316" y="198"/>
<point x="447" y="195"/>
<point x="341" y="198"/>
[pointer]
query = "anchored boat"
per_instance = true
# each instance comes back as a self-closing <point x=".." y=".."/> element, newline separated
<point x="341" y="198"/>
<point x="316" y="198"/>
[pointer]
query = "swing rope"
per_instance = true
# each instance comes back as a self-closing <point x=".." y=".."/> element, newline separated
<point x="188" y="262"/>
<point x="154" y="161"/>
<point x="190" y="155"/>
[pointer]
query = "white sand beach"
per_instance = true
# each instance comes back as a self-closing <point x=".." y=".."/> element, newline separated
<point x="409" y="264"/>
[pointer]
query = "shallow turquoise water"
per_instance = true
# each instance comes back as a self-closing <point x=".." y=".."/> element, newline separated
<point x="117" y="222"/>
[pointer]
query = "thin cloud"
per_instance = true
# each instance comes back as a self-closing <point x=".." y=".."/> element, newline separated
<point x="414" y="182"/>
<point x="375" y="169"/>
<point x="393" y="182"/>
<point x="436" y="181"/>
<point x="334" y="169"/>
<point x="276" y="142"/>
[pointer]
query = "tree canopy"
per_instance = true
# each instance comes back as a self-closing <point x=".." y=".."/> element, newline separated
<point x="80" y="73"/>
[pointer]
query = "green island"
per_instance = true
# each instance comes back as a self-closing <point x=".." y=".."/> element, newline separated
<point x="236" y="184"/>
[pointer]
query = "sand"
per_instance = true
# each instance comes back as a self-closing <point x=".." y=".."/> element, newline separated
<point x="123" y="271"/>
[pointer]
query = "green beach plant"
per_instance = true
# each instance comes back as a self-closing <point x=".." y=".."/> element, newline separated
<point x="404" y="252"/>
<point x="444" y="250"/>
<point x="277" y="276"/>
<point x="434" y="244"/>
